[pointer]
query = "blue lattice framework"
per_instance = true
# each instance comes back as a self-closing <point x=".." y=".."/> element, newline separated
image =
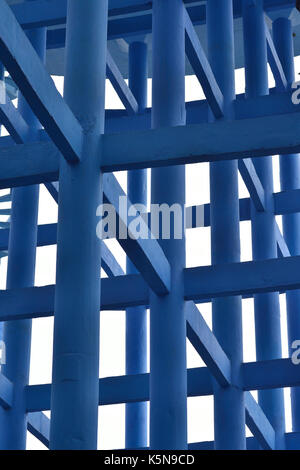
<point x="61" y="143"/>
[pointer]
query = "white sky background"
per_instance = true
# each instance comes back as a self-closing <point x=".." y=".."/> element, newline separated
<point x="112" y="329"/>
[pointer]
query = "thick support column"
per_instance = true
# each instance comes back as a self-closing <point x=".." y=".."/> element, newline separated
<point x="267" y="309"/>
<point x="136" y="317"/>
<point x="229" y="407"/>
<point x="168" y="382"/>
<point x="74" y="401"/>
<point x="20" y="273"/>
<point x="290" y="179"/>
<point x="1" y="78"/>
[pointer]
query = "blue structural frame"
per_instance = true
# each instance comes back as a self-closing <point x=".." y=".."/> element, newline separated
<point x="73" y="146"/>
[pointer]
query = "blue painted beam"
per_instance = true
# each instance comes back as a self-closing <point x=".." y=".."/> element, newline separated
<point x="253" y="184"/>
<point x="6" y="392"/>
<point x="197" y="112"/>
<point x="121" y="88"/>
<point x="14" y="123"/>
<point x="242" y="278"/>
<point x="270" y="135"/>
<point x="275" y="64"/>
<point x="49" y="13"/>
<point x="54" y="13"/>
<point x="292" y="440"/>
<point x="119" y="292"/>
<point x="287" y="202"/>
<point x="201" y="283"/>
<point x="202" y="68"/>
<point x="38" y="425"/>
<point x="109" y="263"/>
<point x="50" y="156"/>
<point x="135" y="388"/>
<point x="122" y="389"/>
<point x="271" y="374"/>
<point x="209" y="349"/>
<point x="37" y="87"/>
<point x="282" y="247"/>
<point x="27" y="164"/>
<point x="146" y="254"/>
<point x="258" y="423"/>
<point x="207" y="346"/>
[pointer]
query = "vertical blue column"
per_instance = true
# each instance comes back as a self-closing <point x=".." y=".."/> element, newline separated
<point x="75" y="382"/>
<point x="1" y="78"/>
<point x="290" y="179"/>
<point x="168" y="382"/>
<point x="136" y="317"/>
<point x="229" y="408"/>
<point x="20" y="274"/>
<point x="267" y="309"/>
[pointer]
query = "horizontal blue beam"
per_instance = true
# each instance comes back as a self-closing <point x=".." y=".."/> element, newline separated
<point x="287" y="202"/>
<point x="37" y="87"/>
<point x="202" y="69"/>
<point x="120" y="86"/>
<point x="258" y="423"/>
<point x="292" y="442"/>
<point x="118" y="293"/>
<point x="250" y="277"/>
<point x="221" y="140"/>
<point x="47" y="13"/>
<point x="29" y="163"/>
<point x="121" y="292"/>
<point x="207" y="346"/>
<point x="122" y="389"/>
<point x="277" y="373"/>
<point x="197" y="112"/>
<point x="47" y="235"/>
<point x="38" y="424"/>
<point x="26" y="164"/>
<point x="135" y="388"/>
